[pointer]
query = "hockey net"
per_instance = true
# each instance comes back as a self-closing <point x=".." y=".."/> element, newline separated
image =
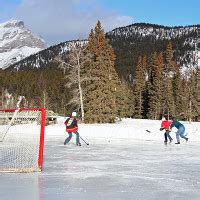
<point x="22" y="139"/>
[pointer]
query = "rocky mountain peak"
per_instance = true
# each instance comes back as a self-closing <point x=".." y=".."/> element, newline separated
<point x="14" y="23"/>
<point x="17" y="42"/>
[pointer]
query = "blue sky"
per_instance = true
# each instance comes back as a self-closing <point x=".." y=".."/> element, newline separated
<point x="163" y="12"/>
<point x="60" y="20"/>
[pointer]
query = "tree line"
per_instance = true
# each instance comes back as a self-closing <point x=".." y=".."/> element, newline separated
<point x="160" y="89"/>
<point x="87" y="81"/>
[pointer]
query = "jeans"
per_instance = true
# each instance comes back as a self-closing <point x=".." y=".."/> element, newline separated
<point x="167" y="135"/>
<point x="70" y="137"/>
<point x="180" y="133"/>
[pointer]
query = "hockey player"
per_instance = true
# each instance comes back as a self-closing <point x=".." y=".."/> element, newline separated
<point x="165" y="124"/>
<point x="181" y="130"/>
<point x="72" y="127"/>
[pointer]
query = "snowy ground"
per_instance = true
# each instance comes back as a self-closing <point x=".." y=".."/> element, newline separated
<point x="121" y="162"/>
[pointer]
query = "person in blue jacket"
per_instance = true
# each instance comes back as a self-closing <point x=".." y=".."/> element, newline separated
<point x="181" y="130"/>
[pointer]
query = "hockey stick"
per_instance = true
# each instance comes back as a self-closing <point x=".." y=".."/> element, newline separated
<point x="148" y="131"/>
<point x="13" y="118"/>
<point x="9" y="125"/>
<point x="83" y="140"/>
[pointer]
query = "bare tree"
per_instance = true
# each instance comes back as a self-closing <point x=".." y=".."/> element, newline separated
<point x="73" y="62"/>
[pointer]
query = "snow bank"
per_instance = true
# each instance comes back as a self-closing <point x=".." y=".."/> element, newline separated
<point x="129" y="129"/>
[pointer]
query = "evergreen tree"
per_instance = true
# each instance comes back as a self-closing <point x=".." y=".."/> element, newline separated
<point x="168" y="73"/>
<point x="161" y="84"/>
<point x="179" y="96"/>
<point x="125" y="101"/>
<point x="182" y="111"/>
<point x="193" y="107"/>
<point x="103" y="82"/>
<point x="170" y="58"/>
<point x="155" y="89"/>
<point x="139" y="87"/>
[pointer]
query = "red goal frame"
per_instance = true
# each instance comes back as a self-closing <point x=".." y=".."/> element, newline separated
<point x="42" y="130"/>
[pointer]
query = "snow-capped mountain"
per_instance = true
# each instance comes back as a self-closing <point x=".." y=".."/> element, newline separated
<point x="151" y="38"/>
<point x="46" y="56"/>
<point x="129" y="43"/>
<point x="156" y="31"/>
<point x="17" y="42"/>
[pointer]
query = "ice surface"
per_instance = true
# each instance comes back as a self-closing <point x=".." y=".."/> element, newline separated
<point x="122" y="162"/>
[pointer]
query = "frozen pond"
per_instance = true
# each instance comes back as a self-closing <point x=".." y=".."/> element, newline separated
<point x="110" y="170"/>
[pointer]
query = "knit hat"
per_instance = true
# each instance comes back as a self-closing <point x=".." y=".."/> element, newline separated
<point x="163" y="118"/>
<point x="73" y="114"/>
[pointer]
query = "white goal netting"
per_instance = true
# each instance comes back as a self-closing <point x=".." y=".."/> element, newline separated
<point x="21" y="140"/>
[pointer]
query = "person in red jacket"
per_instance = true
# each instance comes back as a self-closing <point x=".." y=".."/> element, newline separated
<point x="72" y="127"/>
<point x="165" y="124"/>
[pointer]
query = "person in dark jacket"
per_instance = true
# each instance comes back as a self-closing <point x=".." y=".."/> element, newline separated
<point x="72" y="127"/>
<point x="181" y="130"/>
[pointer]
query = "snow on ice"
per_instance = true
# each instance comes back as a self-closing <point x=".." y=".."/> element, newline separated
<point x="123" y="161"/>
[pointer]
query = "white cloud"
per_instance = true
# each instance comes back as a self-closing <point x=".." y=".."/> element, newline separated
<point x="60" y="20"/>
